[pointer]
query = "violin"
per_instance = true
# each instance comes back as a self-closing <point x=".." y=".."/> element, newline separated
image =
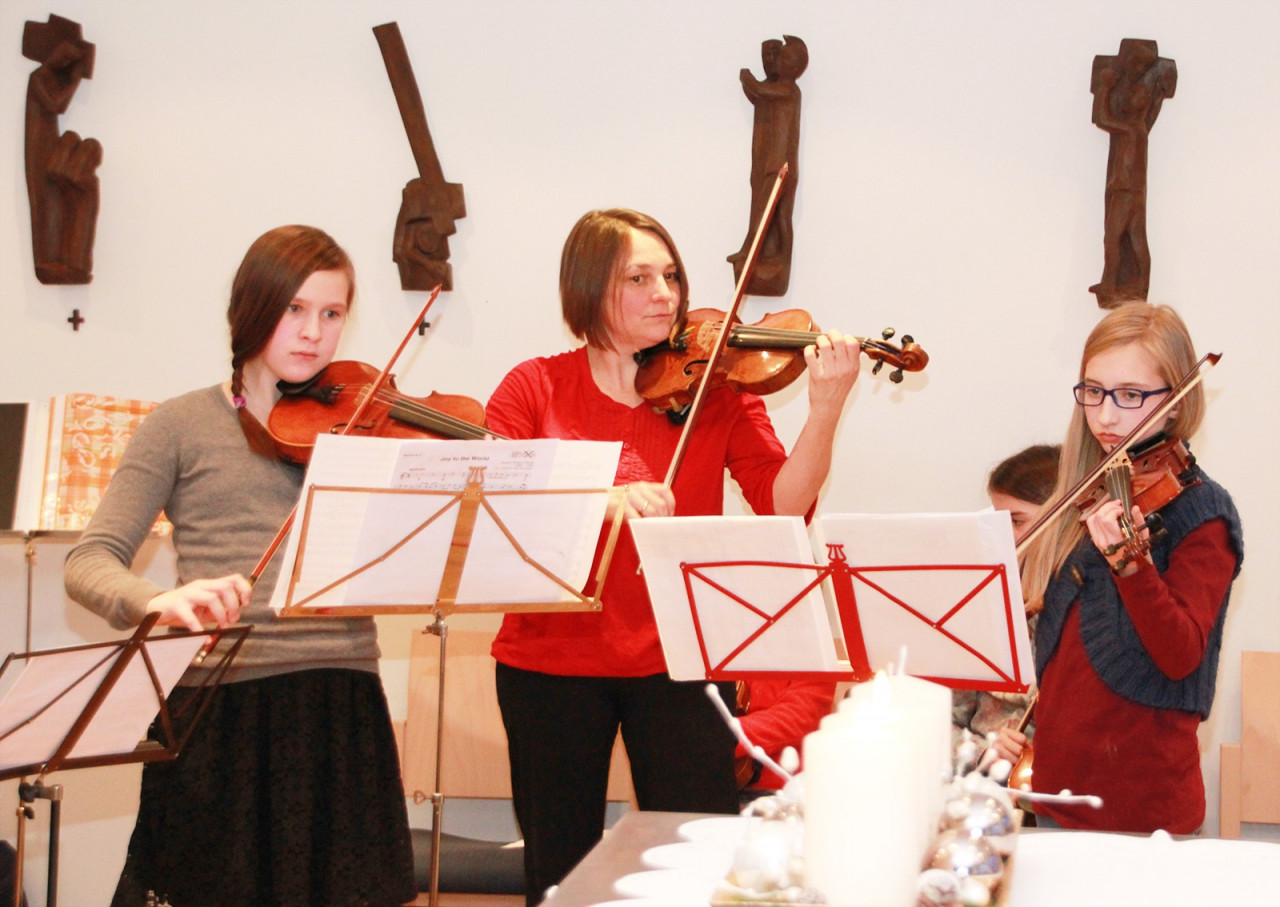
<point x="1152" y="458"/>
<point x="746" y="771"/>
<point x="758" y="358"/>
<point x="1151" y="475"/>
<point x="327" y="403"/>
<point x="1020" y="774"/>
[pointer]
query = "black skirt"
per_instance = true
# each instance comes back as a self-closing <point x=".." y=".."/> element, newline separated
<point x="287" y="793"/>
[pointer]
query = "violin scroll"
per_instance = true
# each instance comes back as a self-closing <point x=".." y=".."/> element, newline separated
<point x="909" y="357"/>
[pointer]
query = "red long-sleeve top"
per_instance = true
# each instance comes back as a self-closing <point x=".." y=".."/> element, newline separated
<point x="1144" y="762"/>
<point x="556" y="397"/>
<point x="780" y="714"/>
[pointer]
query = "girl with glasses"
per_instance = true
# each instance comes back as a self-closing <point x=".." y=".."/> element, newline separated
<point x="1127" y="648"/>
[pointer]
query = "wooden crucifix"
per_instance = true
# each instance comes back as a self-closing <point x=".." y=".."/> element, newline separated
<point x="429" y="207"/>
<point x="62" y="180"/>
<point x="1128" y="89"/>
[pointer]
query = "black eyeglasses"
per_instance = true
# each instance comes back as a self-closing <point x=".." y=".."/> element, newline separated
<point x="1123" y="397"/>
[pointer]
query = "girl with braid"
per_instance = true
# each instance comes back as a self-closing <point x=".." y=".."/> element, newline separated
<point x="288" y="791"/>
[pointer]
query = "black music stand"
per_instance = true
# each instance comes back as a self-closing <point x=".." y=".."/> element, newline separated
<point x="59" y="713"/>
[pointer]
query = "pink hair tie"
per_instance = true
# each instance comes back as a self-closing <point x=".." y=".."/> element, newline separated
<point x="238" y="401"/>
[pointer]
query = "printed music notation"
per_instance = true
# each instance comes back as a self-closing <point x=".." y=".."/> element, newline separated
<point x="379" y="518"/>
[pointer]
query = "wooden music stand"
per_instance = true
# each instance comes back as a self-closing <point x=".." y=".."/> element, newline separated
<point x="459" y="523"/>
<point x="59" y="713"/>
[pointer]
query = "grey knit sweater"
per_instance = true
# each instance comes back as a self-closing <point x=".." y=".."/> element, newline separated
<point x="190" y="460"/>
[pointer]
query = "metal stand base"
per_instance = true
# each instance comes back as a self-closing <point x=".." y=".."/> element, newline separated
<point x="27" y="794"/>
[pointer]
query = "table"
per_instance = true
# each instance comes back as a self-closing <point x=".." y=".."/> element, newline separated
<point x="1051" y="868"/>
<point x="617" y="855"/>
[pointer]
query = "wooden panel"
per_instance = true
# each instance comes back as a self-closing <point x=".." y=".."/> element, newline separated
<point x="1260" y="736"/>
<point x="474" y="742"/>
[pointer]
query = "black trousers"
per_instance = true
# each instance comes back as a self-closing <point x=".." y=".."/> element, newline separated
<point x="560" y="733"/>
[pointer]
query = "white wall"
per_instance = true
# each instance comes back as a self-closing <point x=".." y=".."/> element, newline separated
<point x="950" y="185"/>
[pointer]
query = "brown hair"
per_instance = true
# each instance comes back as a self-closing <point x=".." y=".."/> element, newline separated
<point x="1029" y="475"/>
<point x="594" y="255"/>
<point x="276" y="265"/>
<point x="1161" y="333"/>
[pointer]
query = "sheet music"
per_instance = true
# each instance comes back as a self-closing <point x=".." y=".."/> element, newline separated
<point x="408" y="533"/>
<point x="800" y="639"/>
<point x="945" y="586"/>
<point x="960" y="569"/>
<point x="120" y="723"/>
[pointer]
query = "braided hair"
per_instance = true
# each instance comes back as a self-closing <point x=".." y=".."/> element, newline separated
<point x="276" y="265"/>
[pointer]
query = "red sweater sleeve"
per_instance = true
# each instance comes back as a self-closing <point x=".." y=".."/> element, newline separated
<point x="1174" y="612"/>
<point x="781" y="713"/>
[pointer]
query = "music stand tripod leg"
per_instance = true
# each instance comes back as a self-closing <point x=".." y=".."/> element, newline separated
<point x="27" y="793"/>
<point x="440" y="629"/>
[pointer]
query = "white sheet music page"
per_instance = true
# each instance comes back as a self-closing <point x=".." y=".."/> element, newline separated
<point x="945" y="585"/>
<point x="745" y="578"/>
<point x="392" y="505"/>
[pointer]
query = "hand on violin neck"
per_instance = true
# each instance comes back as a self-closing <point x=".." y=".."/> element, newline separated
<point x="1107" y="532"/>
<point x="833" y="364"/>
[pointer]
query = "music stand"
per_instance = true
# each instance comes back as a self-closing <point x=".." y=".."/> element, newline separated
<point x="738" y="598"/>
<point x="60" y="713"/>
<point x="361" y="550"/>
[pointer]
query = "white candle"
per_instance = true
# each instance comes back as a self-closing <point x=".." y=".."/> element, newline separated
<point x="926" y="707"/>
<point x="862" y="844"/>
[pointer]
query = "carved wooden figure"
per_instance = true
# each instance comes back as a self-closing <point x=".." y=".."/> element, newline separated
<point x="62" y="181"/>
<point x="429" y="207"/>
<point x="775" y="140"/>
<point x="1128" y="90"/>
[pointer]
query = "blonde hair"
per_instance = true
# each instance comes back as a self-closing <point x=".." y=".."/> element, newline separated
<point x="1161" y="333"/>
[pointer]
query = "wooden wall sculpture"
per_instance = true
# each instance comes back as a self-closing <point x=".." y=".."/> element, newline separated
<point x="775" y="140"/>
<point x="1128" y="89"/>
<point x="62" y="181"/>
<point x="429" y="207"/>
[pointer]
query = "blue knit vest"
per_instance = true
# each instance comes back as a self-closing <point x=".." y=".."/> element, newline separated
<point x="1110" y="640"/>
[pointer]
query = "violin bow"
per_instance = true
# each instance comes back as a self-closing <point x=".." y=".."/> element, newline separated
<point x="374" y="390"/>
<point x="1180" y="390"/>
<point x="722" y="338"/>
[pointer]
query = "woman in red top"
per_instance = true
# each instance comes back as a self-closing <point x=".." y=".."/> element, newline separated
<point x="1127" y="652"/>
<point x="568" y="681"/>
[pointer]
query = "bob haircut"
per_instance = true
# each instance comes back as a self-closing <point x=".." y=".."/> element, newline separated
<point x="594" y="255"/>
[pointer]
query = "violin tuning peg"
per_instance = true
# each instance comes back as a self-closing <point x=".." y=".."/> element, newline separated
<point x="896" y="376"/>
<point x="887" y="333"/>
<point x="907" y="338"/>
<point x="875" y="369"/>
